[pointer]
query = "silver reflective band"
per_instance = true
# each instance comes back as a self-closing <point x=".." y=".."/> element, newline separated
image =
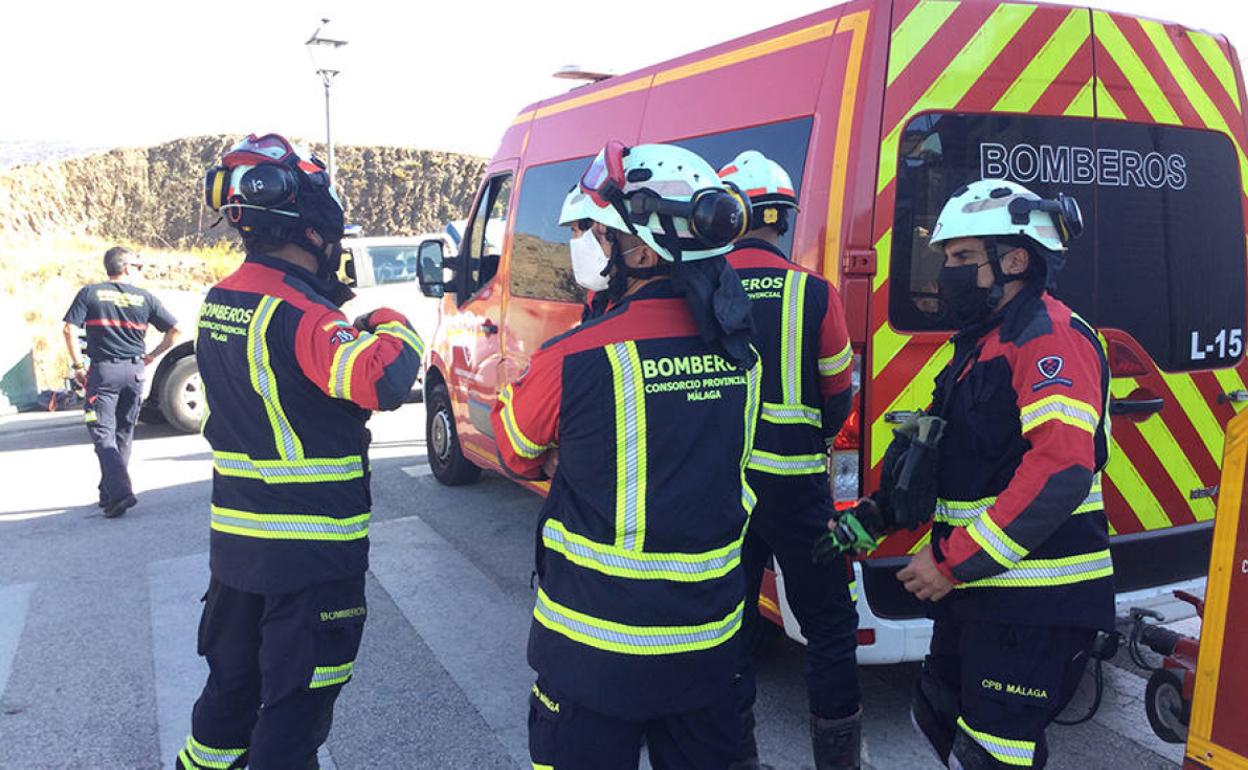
<point x="834" y="365"/>
<point x="1039" y="573"/>
<point x="792" y="413"/>
<point x="787" y="465"/>
<point x="289" y="471"/>
<point x="327" y="676"/>
<point x="635" y="640"/>
<point x="289" y="526"/>
<point x="962" y="513"/>
<point x="683" y="567"/>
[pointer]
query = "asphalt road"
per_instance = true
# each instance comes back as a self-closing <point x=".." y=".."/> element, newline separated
<point x="97" y="622"/>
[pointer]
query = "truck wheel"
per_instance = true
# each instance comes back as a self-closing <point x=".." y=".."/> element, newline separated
<point x="182" y="395"/>
<point x="446" y="458"/>
<point x="1163" y="702"/>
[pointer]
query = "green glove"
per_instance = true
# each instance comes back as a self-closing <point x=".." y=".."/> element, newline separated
<point x="857" y="530"/>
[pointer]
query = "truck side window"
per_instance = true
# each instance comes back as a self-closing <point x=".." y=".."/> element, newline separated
<point x="484" y="240"/>
<point x="541" y="265"/>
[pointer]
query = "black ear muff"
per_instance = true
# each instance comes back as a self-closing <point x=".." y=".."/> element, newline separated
<point x="718" y="217"/>
<point x="1069" y="218"/>
<point x="216" y="187"/>
<point x="268" y="185"/>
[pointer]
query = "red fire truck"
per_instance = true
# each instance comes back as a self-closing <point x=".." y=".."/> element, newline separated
<point x="879" y="109"/>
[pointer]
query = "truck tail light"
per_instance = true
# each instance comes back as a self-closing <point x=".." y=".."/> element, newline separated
<point x="846" y="455"/>
<point x="1123" y="362"/>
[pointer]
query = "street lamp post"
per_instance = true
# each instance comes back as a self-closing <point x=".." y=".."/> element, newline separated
<point x="325" y="51"/>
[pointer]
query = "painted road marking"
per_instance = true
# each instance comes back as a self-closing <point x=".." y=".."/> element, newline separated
<point x="175" y="587"/>
<point x="14" y="604"/>
<point x="416" y="471"/>
<point x="445" y="598"/>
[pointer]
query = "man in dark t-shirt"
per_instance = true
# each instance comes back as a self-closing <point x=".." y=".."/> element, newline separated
<point x="115" y="315"/>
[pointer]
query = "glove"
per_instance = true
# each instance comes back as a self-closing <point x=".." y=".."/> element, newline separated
<point x="363" y="323"/>
<point x="857" y="530"/>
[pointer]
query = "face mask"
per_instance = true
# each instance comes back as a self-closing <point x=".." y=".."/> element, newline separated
<point x="589" y="262"/>
<point x="966" y="301"/>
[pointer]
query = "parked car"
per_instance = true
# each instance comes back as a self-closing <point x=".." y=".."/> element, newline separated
<point x="879" y="110"/>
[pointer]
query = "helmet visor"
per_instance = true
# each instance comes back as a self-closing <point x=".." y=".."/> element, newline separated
<point x="604" y="179"/>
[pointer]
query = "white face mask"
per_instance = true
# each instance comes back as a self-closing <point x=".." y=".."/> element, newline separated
<point x="589" y="261"/>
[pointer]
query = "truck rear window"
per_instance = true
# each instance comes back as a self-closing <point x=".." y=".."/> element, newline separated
<point x="1162" y="257"/>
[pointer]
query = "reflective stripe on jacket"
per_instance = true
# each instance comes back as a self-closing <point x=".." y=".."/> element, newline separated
<point x="1020" y="524"/>
<point x="800" y="333"/>
<point x="640" y="538"/>
<point x="289" y="383"/>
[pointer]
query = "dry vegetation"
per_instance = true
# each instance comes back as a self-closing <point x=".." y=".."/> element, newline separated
<point x="40" y="276"/>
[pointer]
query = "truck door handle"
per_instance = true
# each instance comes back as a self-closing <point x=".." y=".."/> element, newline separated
<point x="489" y="327"/>
<point x="1143" y="406"/>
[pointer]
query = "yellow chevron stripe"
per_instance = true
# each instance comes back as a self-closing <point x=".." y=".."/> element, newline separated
<point x="1216" y="58"/>
<point x="883" y="255"/>
<point x="1230" y="380"/>
<point x="916" y="395"/>
<point x="962" y="73"/>
<point x="1159" y="438"/>
<point x="1084" y="103"/>
<point x="1140" y="499"/>
<point x="1106" y="107"/>
<point x="1137" y="74"/>
<point x="1197" y="409"/>
<point x="915" y="32"/>
<point x="857" y="25"/>
<point x="927" y="538"/>
<point x="1044" y="68"/>
<point x="885" y="345"/>
<point x="1196" y="95"/>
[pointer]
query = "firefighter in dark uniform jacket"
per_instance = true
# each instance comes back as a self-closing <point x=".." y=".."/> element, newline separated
<point x="799" y="330"/>
<point x="289" y="384"/>
<point x="651" y="410"/>
<point x="116" y="315"/>
<point x="1018" y="567"/>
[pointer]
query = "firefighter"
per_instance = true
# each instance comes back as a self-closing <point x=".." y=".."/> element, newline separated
<point x="651" y="409"/>
<point x="801" y="337"/>
<point x="116" y="315"/>
<point x="289" y="384"/>
<point x="1008" y="459"/>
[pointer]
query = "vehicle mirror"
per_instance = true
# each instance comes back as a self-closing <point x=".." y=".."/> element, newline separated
<point x="429" y="268"/>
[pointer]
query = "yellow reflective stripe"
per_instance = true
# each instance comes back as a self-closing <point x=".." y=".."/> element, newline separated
<point x="791" y="414"/>
<point x="1136" y="72"/>
<point x="343" y="367"/>
<point x="328" y="676"/>
<point x="540" y="766"/>
<point x="830" y="366"/>
<point x="208" y="756"/>
<point x="630" y="445"/>
<point x="914" y="33"/>
<point x="640" y="565"/>
<point x="792" y="305"/>
<point x="634" y="640"/>
<point x="1230" y="381"/>
<point x="883" y="246"/>
<point x="1217" y="60"/>
<point x="307" y="470"/>
<point x="264" y="379"/>
<point x="1194" y="405"/>
<point x="995" y="542"/>
<point x="787" y="465"/>
<point x="917" y="394"/>
<point x="289" y="526"/>
<point x="90" y="417"/>
<point x="1044" y="67"/>
<point x="1084" y="103"/>
<point x="1063" y="409"/>
<point x="401" y="330"/>
<point x="1095" y="500"/>
<point x="521" y="444"/>
<point x="753" y="392"/>
<point x="1140" y="499"/>
<point x="961" y="513"/>
<point x="1042" y="573"/>
<point x="1006" y="750"/>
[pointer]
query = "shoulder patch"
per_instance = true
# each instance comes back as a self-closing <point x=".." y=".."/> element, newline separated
<point x="1050" y="372"/>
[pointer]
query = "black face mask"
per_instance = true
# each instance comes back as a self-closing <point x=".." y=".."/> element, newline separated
<point x="965" y="301"/>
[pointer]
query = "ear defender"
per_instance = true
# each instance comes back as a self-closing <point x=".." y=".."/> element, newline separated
<point x="268" y="185"/>
<point x="216" y="187"/>
<point x="718" y="216"/>
<point x="1064" y="211"/>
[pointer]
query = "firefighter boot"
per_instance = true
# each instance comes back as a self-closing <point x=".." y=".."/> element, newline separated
<point x="837" y="742"/>
<point x="747" y="753"/>
<point x="933" y="712"/>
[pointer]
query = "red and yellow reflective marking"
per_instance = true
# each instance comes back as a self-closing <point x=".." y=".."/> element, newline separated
<point x="855" y="24"/>
<point x="1146" y="71"/>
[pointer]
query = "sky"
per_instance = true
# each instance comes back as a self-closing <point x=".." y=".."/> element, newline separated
<point x="432" y="75"/>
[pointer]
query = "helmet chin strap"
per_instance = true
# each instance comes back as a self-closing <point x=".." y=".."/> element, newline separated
<point x="999" y="278"/>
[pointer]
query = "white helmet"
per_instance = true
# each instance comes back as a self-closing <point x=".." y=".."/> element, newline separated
<point x="666" y="195"/>
<point x="998" y="207"/>
<point x="761" y="179"/>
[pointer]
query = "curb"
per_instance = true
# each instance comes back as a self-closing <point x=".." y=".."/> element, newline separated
<point x="33" y="422"/>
